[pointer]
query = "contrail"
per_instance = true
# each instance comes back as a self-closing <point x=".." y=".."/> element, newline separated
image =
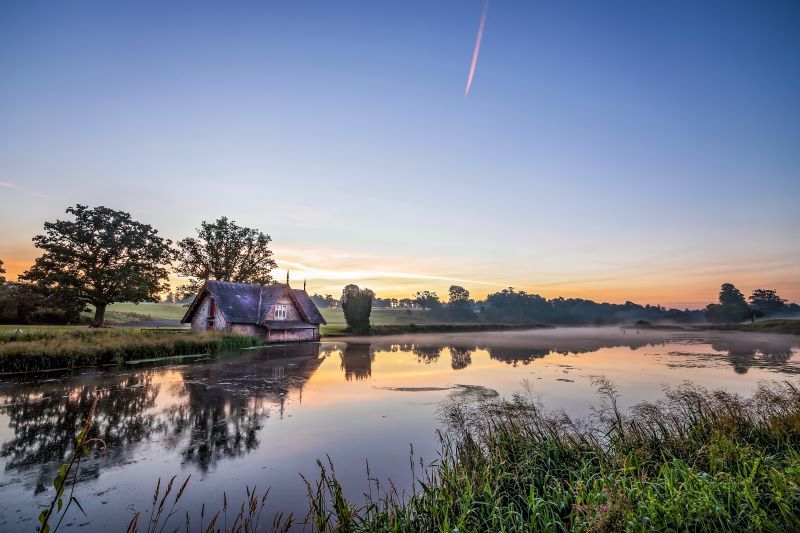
<point x="477" y="46"/>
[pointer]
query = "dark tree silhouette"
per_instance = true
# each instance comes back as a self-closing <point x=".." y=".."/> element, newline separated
<point x="732" y="307"/>
<point x="767" y="302"/>
<point x="428" y="300"/>
<point x="103" y="256"/>
<point x="225" y="251"/>
<point x="357" y="306"/>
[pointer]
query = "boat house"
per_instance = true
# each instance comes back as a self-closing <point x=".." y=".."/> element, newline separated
<point x="276" y="312"/>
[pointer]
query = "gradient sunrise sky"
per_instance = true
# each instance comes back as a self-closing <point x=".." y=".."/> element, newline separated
<point x="610" y="150"/>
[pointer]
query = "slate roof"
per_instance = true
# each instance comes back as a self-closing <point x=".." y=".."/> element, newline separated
<point x="242" y="303"/>
<point x="308" y="307"/>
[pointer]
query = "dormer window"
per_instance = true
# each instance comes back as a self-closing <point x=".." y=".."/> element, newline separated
<point x="281" y="311"/>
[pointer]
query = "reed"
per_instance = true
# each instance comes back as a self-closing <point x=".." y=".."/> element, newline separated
<point x="697" y="460"/>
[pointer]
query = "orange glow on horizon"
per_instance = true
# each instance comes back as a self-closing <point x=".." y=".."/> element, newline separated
<point x="328" y="271"/>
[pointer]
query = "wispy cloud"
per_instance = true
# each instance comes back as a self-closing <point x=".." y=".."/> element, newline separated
<point x="322" y="273"/>
<point x="14" y="186"/>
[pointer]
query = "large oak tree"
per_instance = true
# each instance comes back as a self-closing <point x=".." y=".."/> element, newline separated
<point x="103" y="256"/>
<point x="225" y="251"/>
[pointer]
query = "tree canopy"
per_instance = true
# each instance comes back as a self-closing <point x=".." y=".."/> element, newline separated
<point x="427" y="300"/>
<point x="767" y="302"/>
<point x="458" y="294"/>
<point x="225" y="251"/>
<point x="101" y="257"/>
<point x="732" y="307"/>
<point x="730" y="295"/>
<point x="357" y="307"/>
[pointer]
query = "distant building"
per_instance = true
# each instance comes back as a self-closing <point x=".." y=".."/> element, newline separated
<point x="275" y="312"/>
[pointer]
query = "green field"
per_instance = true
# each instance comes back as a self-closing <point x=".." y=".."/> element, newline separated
<point x="126" y="313"/>
<point x="379" y="317"/>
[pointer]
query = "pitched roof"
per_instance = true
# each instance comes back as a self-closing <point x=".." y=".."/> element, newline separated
<point x="242" y="303"/>
<point x="308" y="307"/>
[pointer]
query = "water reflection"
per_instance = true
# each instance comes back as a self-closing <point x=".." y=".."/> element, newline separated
<point x="763" y="352"/>
<point x="357" y="361"/>
<point x="743" y="351"/>
<point x="45" y="419"/>
<point x="209" y="412"/>
<point x="215" y="411"/>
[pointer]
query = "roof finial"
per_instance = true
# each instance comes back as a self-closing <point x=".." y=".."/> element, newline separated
<point x="287" y="276"/>
<point x="304" y="284"/>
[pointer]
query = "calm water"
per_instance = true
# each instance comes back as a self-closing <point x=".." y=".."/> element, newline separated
<point x="263" y="417"/>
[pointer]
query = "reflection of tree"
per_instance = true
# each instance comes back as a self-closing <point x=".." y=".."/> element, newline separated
<point x="746" y="352"/>
<point x="460" y="357"/>
<point x="357" y="361"/>
<point x="45" y="421"/>
<point x="222" y="405"/>
<point x="427" y="354"/>
<point x="514" y="355"/>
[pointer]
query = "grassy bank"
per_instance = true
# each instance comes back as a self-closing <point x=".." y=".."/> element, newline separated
<point x="429" y="328"/>
<point x="49" y="348"/>
<point x="762" y="326"/>
<point x="697" y="460"/>
<point x="787" y="326"/>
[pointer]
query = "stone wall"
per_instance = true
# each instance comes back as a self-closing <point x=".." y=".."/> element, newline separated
<point x="248" y="329"/>
<point x="200" y="318"/>
<point x="293" y="335"/>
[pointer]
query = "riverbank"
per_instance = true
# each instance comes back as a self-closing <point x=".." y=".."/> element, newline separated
<point x="788" y="326"/>
<point x="44" y="349"/>
<point x="697" y="460"/>
<point x="763" y="326"/>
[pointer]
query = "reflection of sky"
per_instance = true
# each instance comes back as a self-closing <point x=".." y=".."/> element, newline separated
<point x="638" y="151"/>
<point x="298" y="418"/>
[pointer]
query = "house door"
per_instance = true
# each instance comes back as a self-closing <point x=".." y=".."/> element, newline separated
<point x="212" y="312"/>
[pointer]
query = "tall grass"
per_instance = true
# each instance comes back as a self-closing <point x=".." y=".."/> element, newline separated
<point x="45" y="350"/>
<point x="696" y="460"/>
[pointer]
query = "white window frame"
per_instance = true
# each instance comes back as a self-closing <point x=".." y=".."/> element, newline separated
<point x="281" y="311"/>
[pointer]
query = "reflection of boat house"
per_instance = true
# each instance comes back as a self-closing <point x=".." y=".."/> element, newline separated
<point x="275" y="312"/>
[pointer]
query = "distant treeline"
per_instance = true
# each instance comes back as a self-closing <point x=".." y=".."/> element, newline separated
<point x="520" y="307"/>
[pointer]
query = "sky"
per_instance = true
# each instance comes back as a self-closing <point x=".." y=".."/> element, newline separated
<point x="644" y="151"/>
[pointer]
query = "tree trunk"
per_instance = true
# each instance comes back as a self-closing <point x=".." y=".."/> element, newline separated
<point x="99" y="315"/>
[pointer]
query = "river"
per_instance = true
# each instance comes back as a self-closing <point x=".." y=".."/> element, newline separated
<point x="262" y="417"/>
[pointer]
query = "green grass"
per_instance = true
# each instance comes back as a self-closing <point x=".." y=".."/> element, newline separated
<point x="41" y="349"/>
<point x="386" y="321"/>
<point x="124" y="313"/>
<point x="698" y="460"/>
<point x="763" y="326"/>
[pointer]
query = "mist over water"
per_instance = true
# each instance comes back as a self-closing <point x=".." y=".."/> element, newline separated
<point x="263" y="416"/>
